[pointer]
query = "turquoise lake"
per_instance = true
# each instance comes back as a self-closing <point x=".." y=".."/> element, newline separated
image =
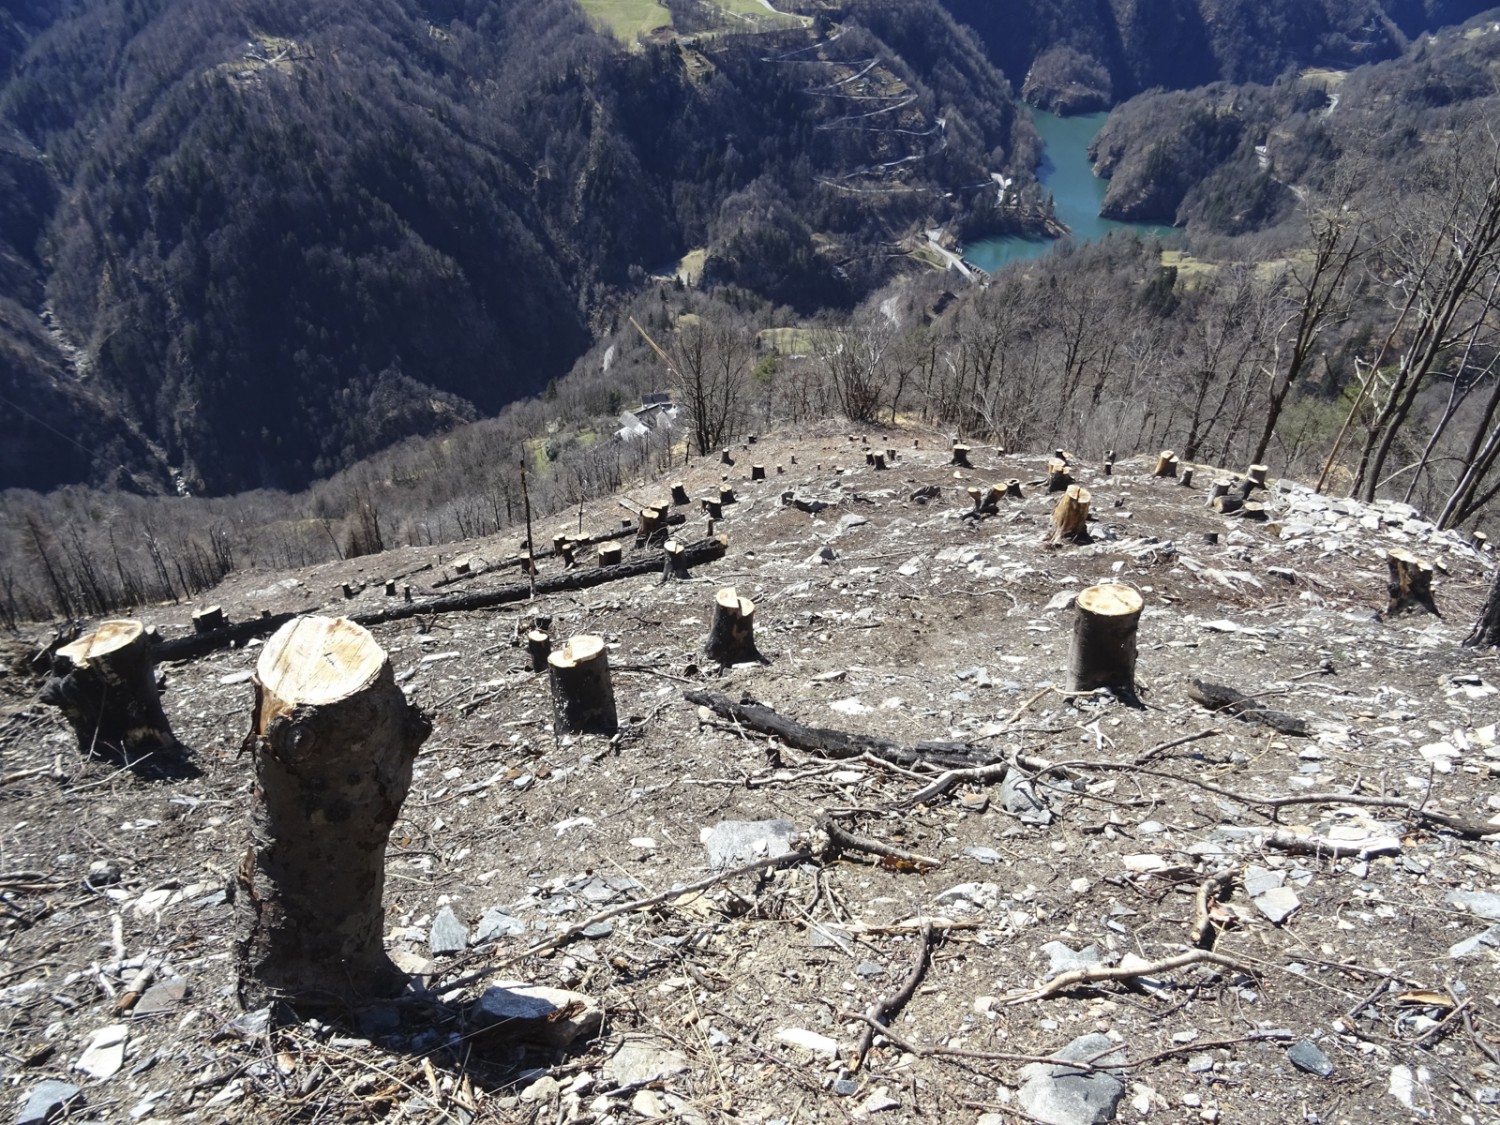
<point x="1065" y="172"/>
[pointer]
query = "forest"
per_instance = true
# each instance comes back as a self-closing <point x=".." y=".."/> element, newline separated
<point x="1330" y="308"/>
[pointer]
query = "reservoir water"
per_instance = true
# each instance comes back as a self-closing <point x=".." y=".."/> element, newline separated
<point x="1065" y="172"/>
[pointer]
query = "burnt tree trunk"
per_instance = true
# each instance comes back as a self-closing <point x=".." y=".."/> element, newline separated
<point x="105" y="685"/>
<point x="583" y="695"/>
<point x="332" y="742"/>
<point x="1104" y="640"/>
<point x="1409" y="583"/>
<point x="209" y="618"/>
<point x="731" y="637"/>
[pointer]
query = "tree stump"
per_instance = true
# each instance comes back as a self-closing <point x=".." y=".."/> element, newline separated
<point x="559" y="541"/>
<point x="349" y="590"/>
<point x="569" y="556"/>
<point x="104" y="683"/>
<point x="538" y="648"/>
<point x="1220" y="487"/>
<point x="583" y="697"/>
<point x="724" y="458"/>
<point x="1070" y="517"/>
<point x="731" y="637"/>
<point x="332" y="742"/>
<point x="651" y="526"/>
<point x="1013" y="489"/>
<point x="1479" y="541"/>
<point x="1244" y="488"/>
<point x="1486" y="630"/>
<point x="210" y="618"/>
<point x="726" y="494"/>
<point x="674" y="560"/>
<point x="406" y="594"/>
<point x="1256" y="474"/>
<point x="528" y="564"/>
<point x="992" y="497"/>
<point x="1104" y="639"/>
<point x="390" y="588"/>
<point x="1058" y="477"/>
<point x="1409" y="583"/>
<point x="976" y="495"/>
<point x="1253" y="511"/>
<point x="713" y="508"/>
<point x="961" y="456"/>
<point x="869" y="457"/>
<point x="1185" y="478"/>
<point x="461" y="566"/>
<point x="1166" y="464"/>
<point x="1227" y="505"/>
<point x="757" y="472"/>
<point x="679" y="494"/>
<point x="878" y="460"/>
<point x="1109" y="468"/>
<point x="890" y="456"/>
<point x="610" y="553"/>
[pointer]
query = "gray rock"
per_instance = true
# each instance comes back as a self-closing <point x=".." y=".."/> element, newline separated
<point x="47" y="1099"/>
<point x="983" y="855"/>
<point x="733" y="842"/>
<point x="1490" y="939"/>
<point x="1063" y="600"/>
<point x="1065" y="960"/>
<point x="497" y="923"/>
<point x="639" y="1061"/>
<point x="1260" y="880"/>
<point x="1482" y="903"/>
<point x="971" y="896"/>
<point x="1306" y="1056"/>
<point x="535" y="1013"/>
<point x="1059" y="1095"/>
<point x="251" y="1025"/>
<point x="1019" y="797"/>
<point x="846" y="1087"/>
<point x="448" y="934"/>
<point x="1278" y="904"/>
<point x="163" y="997"/>
<point x="868" y="970"/>
<point x="597" y="930"/>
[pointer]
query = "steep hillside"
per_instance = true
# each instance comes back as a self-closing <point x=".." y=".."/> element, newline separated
<point x="270" y="238"/>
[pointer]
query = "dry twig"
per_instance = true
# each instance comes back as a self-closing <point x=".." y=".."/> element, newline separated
<point x="1096" y="973"/>
<point x="878" y="1013"/>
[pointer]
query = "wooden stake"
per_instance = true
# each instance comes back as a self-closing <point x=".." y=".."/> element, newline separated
<point x="1104" y="639"/>
<point x="105" y="685"/>
<point x="332" y="741"/>
<point x="583" y="696"/>
<point x="1409" y="583"/>
<point x="731" y="638"/>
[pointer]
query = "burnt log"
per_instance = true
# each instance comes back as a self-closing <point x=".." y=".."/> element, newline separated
<point x="104" y="683"/>
<point x="331" y="744"/>
<point x="1104" y="640"/>
<point x="583" y="696"/>
<point x="1227" y="701"/>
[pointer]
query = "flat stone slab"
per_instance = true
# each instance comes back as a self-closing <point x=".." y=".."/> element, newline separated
<point x="535" y="1013"/>
<point x="1482" y="903"/>
<point x="1278" y="904"/>
<point x="46" y="1100"/>
<point x="1306" y="1056"/>
<point x="639" y="1060"/>
<point x="448" y="934"/>
<point x="1059" y="1095"/>
<point x="731" y="843"/>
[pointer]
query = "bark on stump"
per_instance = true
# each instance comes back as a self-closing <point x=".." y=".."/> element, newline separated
<point x="961" y="457"/>
<point x="713" y="508"/>
<point x="609" y="554"/>
<point x="1104" y="636"/>
<point x="538" y="648"/>
<point x="726" y="494"/>
<point x="583" y="696"/>
<point x="878" y="460"/>
<point x="757" y="472"/>
<point x="1409" y="583"/>
<point x="1166" y="464"/>
<point x="1070" y="517"/>
<point x="332" y="742"/>
<point x="209" y="618"/>
<point x="674" y="561"/>
<point x="1013" y="488"/>
<point x="105" y="685"/>
<point x="1185" y="478"/>
<point x="1256" y="474"/>
<point x="1220" y="487"/>
<point x="569" y="556"/>
<point x="679" y="494"/>
<point x="731" y="637"/>
<point x="1058" y="477"/>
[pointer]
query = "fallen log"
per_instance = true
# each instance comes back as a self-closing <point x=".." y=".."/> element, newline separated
<point x="1228" y="701"/>
<point x="694" y="554"/>
<point x="825" y="742"/>
<point x="573" y="544"/>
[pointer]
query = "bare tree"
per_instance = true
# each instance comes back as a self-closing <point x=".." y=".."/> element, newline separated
<point x="709" y="367"/>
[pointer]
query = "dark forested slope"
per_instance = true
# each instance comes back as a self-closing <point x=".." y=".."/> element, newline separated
<point x="264" y="239"/>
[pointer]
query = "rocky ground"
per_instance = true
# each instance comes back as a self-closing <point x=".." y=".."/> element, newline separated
<point x="1241" y="948"/>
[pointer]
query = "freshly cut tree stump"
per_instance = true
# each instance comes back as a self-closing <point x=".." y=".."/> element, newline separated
<point x="731" y="637"/>
<point x="609" y="554"/>
<point x="1070" y="517"/>
<point x="583" y="696"/>
<point x="390" y="588"/>
<point x="209" y="618"/>
<point x="1479" y="541"/>
<point x="651" y="526"/>
<point x="890" y="456"/>
<point x="757" y="472"/>
<point x="406" y="594"/>
<point x="332" y="741"/>
<point x="1104" y="635"/>
<point x="568" y="555"/>
<point x="528" y="564"/>
<point x="105" y="685"/>
<point x="559" y="541"/>
<point x="1409" y="583"/>
<point x="1253" y="511"/>
<point x="349" y="590"/>
<point x="538" y="648"/>
<point x="1058" y="477"/>
<point x="961" y="457"/>
<point x="1109" y="468"/>
<point x="679" y="494"/>
<point x="674" y="560"/>
<point x="724" y="458"/>
<point x="1166" y="464"/>
<point x="976" y="495"/>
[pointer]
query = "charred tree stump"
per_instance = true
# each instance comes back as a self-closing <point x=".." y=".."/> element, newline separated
<point x="528" y="565"/>
<point x="961" y="457"/>
<point x="679" y="494"/>
<point x="976" y="495"/>
<point x="724" y="458"/>
<point x="209" y="618"/>
<point x="538" y="648"/>
<point x="1253" y="511"/>
<point x="559" y="541"/>
<point x="390" y="588"/>
<point x="1070" y="517"/>
<point x="1058" y="477"/>
<point x="731" y="637"/>
<point x="1256" y="475"/>
<point x="726" y="494"/>
<point x="406" y="594"/>
<point x="1013" y="489"/>
<point x="674" y="561"/>
<point x="569" y="556"/>
<point x="332" y="742"/>
<point x="583" y="696"/>
<point x="1486" y="631"/>
<point x="1104" y="640"/>
<point x="1166" y="464"/>
<point x="1185" y="478"/>
<point x="1409" y="583"/>
<point x="104" y="683"/>
<point x="609" y="554"/>
<point x="890" y="456"/>
<point x="757" y="472"/>
<point x="713" y="508"/>
<point x="1479" y="541"/>
<point x="1109" y="468"/>
<point x="878" y="460"/>
<point x="1244" y="488"/>
<point x="1220" y="487"/>
<point x="652" y="526"/>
